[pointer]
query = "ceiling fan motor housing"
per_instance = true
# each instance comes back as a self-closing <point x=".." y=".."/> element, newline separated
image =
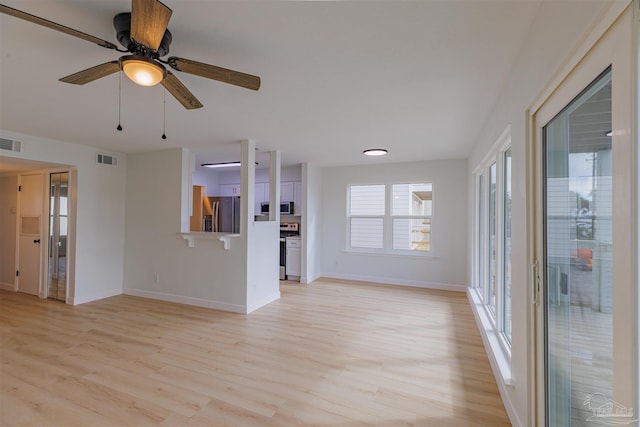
<point x="122" y="24"/>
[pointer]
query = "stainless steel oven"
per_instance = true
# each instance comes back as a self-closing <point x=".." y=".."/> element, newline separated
<point x="286" y="229"/>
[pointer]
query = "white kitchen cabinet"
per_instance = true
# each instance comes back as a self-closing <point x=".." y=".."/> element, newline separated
<point x="286" y="192"/>
<point x="229" y="189"/>
<point x="294" y="258"/>
<point x="289" y="192"/>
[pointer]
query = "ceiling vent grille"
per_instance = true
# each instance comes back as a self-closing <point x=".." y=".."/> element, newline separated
<point x="106" y="159"/>
<point x="10" y="145"/>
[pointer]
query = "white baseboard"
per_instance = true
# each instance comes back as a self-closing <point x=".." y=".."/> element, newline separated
<point x="309" y="279"/>
<point x="7" y="286"/>
<point x="198" y="302"/>
<point x="262" y="302"/>
<point x="400" y="282"/>
<point x="94" y="297"/>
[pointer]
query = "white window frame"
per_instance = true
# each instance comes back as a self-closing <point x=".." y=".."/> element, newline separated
<point x="387" y="243"/>
<point x="502" y="177"/>
<point x="481" y="260"/>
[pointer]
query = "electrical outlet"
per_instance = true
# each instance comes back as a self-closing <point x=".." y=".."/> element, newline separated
<point x="157" y="279"/>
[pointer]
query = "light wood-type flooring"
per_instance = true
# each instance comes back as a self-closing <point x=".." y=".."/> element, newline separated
<point x="328" y="354"/>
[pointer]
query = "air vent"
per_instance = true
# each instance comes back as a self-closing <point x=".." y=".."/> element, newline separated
<point x="10" y="145"/>
<point x="106" y="159"/>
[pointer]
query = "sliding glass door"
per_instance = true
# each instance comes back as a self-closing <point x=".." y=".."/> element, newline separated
<point x="577" y="263"/>
<point x="585" y="226"/>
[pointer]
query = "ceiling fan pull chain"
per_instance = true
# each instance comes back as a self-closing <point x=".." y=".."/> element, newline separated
<point x="119" y="99"/>
<point x="164" y="113"/>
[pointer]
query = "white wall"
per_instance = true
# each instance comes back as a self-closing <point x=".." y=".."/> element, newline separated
<point x="209" y="178"/>
<point x="263" y="260"/>
<point x="8" y="201"/>
<point x="311" y="223"/>
<point x="287" y="174"/>
<point x="556" y="32"/>
<point x="446" y="267"/>
<point x="100" y="213"/>
<point x="158" y="262"/>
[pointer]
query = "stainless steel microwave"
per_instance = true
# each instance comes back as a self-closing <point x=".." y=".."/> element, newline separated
<point x="286" y="208"/>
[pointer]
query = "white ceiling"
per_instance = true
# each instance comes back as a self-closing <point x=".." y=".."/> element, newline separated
<point x="418" y="78"/>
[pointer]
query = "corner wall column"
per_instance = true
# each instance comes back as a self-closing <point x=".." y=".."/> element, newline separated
<point x="247" y="184"/>
<point x="274" y="186"/>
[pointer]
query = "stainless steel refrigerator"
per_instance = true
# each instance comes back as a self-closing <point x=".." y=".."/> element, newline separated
<point x="225" y="214"/>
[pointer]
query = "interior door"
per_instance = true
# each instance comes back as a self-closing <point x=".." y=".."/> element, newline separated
<point x="585" y="326"/>
<point x="29" y="229"/>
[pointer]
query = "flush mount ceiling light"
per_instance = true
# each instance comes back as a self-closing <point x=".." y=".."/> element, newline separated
<point x="609" y="133"/>
<point x="221" y="165"/>
<point x="375" y="152"/>
<point x="142" y="70"/>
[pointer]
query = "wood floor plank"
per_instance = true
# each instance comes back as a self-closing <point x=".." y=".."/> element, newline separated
<point x="339" y="354"/>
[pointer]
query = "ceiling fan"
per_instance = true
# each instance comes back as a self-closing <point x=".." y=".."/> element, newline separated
<point x="144" y="35"/>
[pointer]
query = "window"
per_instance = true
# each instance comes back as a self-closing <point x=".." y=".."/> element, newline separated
<point x="480" y="232"/>
<point x="366" y="216"/>
<point x="492" y="248"/>
<point x="402" y="225"/>
<point x="411" y="216"/>
<point x="491" y="300"/>
<point x="506" y="274"/>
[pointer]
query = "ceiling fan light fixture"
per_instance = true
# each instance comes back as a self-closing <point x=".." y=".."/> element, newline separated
<point x="142" y="71"/>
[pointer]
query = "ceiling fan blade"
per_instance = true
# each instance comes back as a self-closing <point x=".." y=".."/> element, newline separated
<point x="54" y="26"/>
<point x="180" y="92"/>
<point x="93" y="73"/>
<point x="215" y="73"/>
<point x="149" y="20"/>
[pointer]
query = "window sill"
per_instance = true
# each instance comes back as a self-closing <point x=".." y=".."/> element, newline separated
<point x="497" y="351"/>
<point x="392" y="254"/>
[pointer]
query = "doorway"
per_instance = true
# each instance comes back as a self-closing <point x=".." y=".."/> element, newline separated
<point x="58" y="235"/>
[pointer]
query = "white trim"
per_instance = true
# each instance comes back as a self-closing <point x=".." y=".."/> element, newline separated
<point x="198" y="302"/>
<point x="498" y="359"/>
<point x="94" y="297"/>
<point x="262" y="302"/>
<point x="399" y="282"/>
<point x="306" y="280"/>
